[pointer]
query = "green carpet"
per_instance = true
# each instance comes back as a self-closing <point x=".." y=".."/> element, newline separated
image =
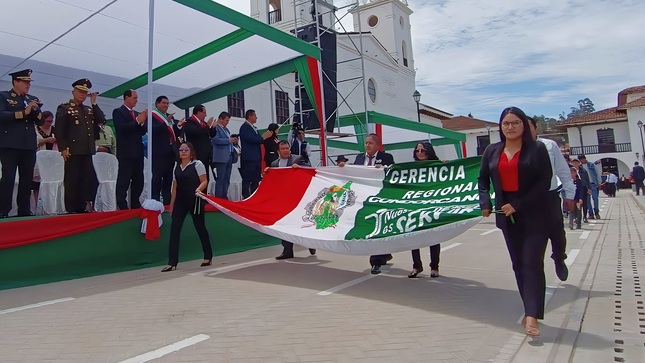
<point x="119" y="247"/>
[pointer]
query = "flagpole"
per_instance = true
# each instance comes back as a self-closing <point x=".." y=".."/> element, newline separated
<point x="151" y="25"/>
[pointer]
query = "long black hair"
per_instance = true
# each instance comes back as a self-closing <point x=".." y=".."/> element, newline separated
<point x="427" y="149"/>
<point x="526" y="134"/>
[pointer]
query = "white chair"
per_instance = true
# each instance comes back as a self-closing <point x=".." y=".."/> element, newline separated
<point x="235" y="186"/>
<point x="106" y="167"/>
<point x="51" y="195"/>
<point x="210" y="189"/>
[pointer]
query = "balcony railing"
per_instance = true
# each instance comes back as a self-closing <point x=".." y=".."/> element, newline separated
<point x="600" y="149"/>
<point x="275" y="16"/>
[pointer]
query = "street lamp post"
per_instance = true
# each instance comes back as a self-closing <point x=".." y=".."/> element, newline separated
<point x="640" y="128"/>
<point x="417" y="98"/>
<point x="488" y="130"/>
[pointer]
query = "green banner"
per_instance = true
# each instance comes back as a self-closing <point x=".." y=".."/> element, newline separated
<point x="419" y="196"/>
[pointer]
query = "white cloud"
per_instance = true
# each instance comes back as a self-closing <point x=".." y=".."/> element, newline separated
<point x="471" y="54"/>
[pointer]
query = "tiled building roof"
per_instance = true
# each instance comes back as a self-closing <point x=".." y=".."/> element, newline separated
<point x="459" y="123"/>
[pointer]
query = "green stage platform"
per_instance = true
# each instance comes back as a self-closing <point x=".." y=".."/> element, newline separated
<point x="117" y="247"/>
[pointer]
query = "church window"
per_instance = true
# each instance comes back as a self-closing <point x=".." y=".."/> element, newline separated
<point x="372" y="21"/>
<point x="371" y="89"/>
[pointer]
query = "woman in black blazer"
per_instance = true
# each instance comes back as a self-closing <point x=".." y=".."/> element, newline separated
<point x="424" y="152"/>
<point x="520" y="171"/>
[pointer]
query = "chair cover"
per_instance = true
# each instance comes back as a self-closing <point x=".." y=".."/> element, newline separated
<point x="51" y="195"/>
<point x="235" y="186"/>
<point x="107" y="167"/>
<point x="210" y="189"/>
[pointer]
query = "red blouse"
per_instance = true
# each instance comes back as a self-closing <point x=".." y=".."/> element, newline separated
<point x="508" y="172"/>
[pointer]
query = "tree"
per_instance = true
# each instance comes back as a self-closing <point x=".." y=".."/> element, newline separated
<point x="585" y="106"/>
<point x="540" y="123"/>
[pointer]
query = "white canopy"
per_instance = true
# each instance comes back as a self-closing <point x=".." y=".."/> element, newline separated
<point x="199" y="46"/>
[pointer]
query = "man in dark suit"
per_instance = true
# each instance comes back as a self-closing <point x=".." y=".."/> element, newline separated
<point x="285" y="160"/>
<point x="586" y="185"/>
<point x="130" y="127"/>
<point x="373" y="156"/>
<point x="19" y="112"/>
<point x="164" y="149"/>
<point x="75" y="136"/>
<point x="198" y="132"/>
<point x="224" y="155"/>
<point x="251" y="158"/>
<point x="638" y="173"/>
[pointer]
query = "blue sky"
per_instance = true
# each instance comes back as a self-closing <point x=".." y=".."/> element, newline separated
<point x="480" y="56"/>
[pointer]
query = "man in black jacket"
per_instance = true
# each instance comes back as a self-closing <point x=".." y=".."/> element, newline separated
<point x="199" y="132"/>
<point x="374" y="157"/>
<point x="639" y="175"/>
<point x="130" y="127"/>
<point x="285" y="160"/>
<point x="19" y="112"/>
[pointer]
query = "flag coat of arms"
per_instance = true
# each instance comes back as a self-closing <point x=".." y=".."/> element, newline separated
<point x="362" y="210"/>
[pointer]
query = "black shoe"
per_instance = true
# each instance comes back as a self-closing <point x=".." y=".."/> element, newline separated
<point x="597" y="216"/>
<point x="169" y="268"/>
<point x="389" y="257"/>
<point x="561" y="270"/>
<point x="312" y="251"/>
<point x="206" y="263"/>
<point x="284" y="257"/>
<point x="591" y="217"/>
<point x="28" y="214"/>
<point x="375" y="270"/>
<point x="585" y="220"/>
<point x="3" y="216"/>
<point x="414" y="273"/>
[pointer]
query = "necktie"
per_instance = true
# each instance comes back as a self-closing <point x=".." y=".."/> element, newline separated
<point x="371" y="159"/>
<point x="132" y="114"/>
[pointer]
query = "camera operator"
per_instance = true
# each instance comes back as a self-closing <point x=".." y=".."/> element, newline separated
<point x="299" y="146"/>
<point x="285" y="160"/>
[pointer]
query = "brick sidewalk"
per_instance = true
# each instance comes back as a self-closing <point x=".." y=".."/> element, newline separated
<point x="269" y="311"/>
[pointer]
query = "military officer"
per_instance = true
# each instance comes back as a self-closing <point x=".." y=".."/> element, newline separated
<point x="75" y="136"/>
<point x="19" y="112"/>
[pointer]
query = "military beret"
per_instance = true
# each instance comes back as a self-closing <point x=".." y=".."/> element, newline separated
<point x="83" y="84"/>
<point x="24" y="75"/>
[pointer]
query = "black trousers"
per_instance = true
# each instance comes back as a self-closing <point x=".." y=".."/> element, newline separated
<point x="526" y="241"/>
<point x="23" y="161"/>
<point x="434" y="258"/>
<point x="162" y="167"/>
<point x="179" y="213"/>
<point x="379" y="260"/>
<point x="251" y="173"/>
<point x="287" y="248"/>
<point x="79" y="182"/>
<point x="585" y="201"/>
<point x="557" y="235"/>
<point x="130" y="176"/>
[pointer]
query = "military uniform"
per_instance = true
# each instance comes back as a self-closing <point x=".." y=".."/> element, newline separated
<point x="17" y="145"/>
<point x="75" y="133"/>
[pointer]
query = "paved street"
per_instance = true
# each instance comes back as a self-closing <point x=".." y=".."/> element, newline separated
<point x="328" y="308"/>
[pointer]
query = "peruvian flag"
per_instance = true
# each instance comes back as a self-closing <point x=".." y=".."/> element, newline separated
<point x="363" y="210"/>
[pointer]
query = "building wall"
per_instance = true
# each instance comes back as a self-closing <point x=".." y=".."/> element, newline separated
<point x="634" y="115"/>
<point x="590" y="136"/>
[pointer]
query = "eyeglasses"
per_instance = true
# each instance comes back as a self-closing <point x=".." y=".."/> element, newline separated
<point x="419" y="151"/>
<point x="184" y="149"/>
<point x="513" y="124"/>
